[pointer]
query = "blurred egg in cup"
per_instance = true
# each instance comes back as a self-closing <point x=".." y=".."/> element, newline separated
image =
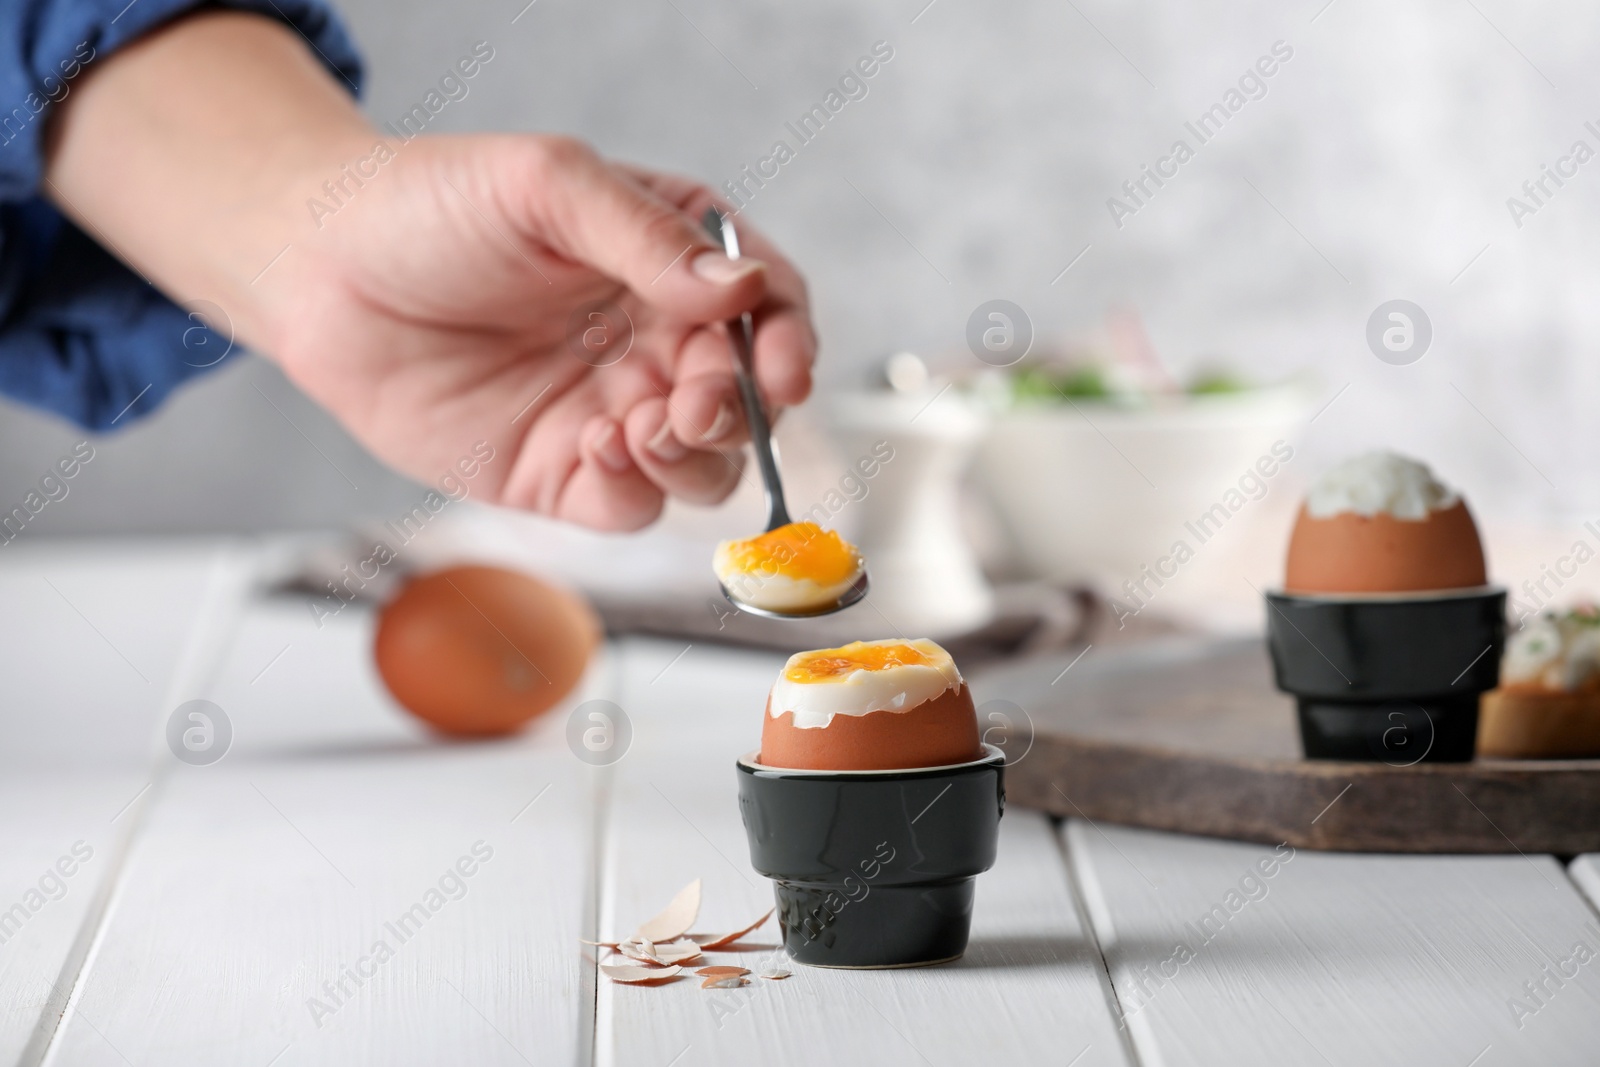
<point x="1386" y="630"/>
<point x="872" y="804"/>
<point x="1548" y="703"/>
<point x="797" y="569"/>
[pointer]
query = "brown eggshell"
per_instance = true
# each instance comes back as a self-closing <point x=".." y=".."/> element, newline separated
<point x="1350" y="553"/>
<point x="479" y="651"/>
<point x="935" y="733"/>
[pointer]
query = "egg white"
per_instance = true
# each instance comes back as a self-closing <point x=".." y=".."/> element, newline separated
<point x="861" y="692"/>
<point x="1379" y="482"/>
<point x="1557" y="653"/>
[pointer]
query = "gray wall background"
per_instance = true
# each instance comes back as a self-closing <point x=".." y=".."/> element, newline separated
<point x="978" y="166"/>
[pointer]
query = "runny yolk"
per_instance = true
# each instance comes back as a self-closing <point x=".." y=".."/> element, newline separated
<point x="798" y="550"/>
<point x="830" y="663"/>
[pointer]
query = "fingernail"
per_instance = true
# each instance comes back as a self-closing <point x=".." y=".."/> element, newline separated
<point x="665" y="445"/>
<point x="611" y="451"/>
<point x="722" y="423"/>
<point x="719" y="269"/>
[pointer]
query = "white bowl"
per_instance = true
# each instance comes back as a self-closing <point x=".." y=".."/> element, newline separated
<point x="925" y="577"/>
<point x="1092" y="491"/>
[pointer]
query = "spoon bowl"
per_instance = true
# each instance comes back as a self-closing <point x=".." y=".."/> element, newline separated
<point x="741" y="334"/>
<point x="847" y="598"/>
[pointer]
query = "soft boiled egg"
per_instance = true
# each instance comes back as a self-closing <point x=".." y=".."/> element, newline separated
<point x="870" y="706"/>
<point x="795" y="568"/>
<point x="1382" y="523"/>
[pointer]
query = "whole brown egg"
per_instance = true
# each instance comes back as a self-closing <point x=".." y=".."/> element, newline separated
<point x="479" y="651"/>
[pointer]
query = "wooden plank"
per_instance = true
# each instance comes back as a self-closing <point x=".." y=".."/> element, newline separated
<point x="248" y="924"/>
<point x="1331" y="958"/>
<point x="1031" y="988"/>
<point x="1189" y="734"/>
<point x="48" y="818"/>
<point x="96" y="632"/>
<point x="102" y="639"/>
<point x="1585" y="873"/>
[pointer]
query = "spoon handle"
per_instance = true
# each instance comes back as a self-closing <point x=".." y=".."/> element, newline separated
<point x="741" y="332"/>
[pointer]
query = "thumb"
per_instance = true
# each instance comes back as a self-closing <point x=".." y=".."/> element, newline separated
<point x="592" y="213"/>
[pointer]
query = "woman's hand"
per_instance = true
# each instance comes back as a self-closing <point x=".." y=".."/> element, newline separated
<point x="487" y="287"/>
<point x="447" y="294"/>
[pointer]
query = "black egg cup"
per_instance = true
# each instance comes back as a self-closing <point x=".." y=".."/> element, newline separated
<point x="874" y="869"/>
<point x="1391" y="678"/>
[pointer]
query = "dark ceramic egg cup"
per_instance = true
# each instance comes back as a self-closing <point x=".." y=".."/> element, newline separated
<point x="1387" y="677"/>
<point x="874" y="868"/>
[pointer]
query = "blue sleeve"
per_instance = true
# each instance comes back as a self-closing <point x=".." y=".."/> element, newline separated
<point x="81" y="334"/>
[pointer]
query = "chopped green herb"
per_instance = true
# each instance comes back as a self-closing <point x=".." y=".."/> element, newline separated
<point x="1212" y="382"/>
<point x="1040" y="383"/>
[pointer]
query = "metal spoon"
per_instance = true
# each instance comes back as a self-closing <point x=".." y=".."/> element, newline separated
<point x="741" y="332"/>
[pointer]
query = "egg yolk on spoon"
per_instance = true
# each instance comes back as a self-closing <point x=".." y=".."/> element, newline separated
<point x="798" y="567"/>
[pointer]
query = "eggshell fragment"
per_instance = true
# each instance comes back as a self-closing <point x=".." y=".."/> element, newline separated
<point x="675" y="920"/>
<point x="660" y="955"/>
<point x="731" y="981"/>
<point x="721" y="972"/>
<point x="639" y="975"/>
<point x="637" y="949"/>
<point x="678" y="952"/>
<point x="710" y="942"/>
<point x="776" y="972"/>
<point x="479" y="651"/>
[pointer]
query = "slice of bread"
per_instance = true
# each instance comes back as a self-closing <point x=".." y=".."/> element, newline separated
<point x="1535" y="723"/>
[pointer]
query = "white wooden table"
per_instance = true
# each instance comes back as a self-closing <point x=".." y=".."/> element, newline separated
<point x="228" y="914"/>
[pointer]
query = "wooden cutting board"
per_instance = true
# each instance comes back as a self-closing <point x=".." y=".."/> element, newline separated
<point x="1189" y="734"/>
